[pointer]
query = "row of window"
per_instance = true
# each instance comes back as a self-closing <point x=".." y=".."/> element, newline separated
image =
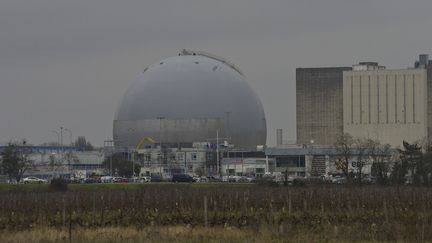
<point x="179" y="157"/>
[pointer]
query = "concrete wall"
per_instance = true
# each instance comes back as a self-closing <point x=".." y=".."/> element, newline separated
<point x="429" y="100"/>
<point x="388" y="105"/>
<point x="319" y="104"/>
<point x="167" y="130"/>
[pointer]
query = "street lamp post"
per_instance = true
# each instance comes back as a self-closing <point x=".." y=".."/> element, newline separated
<point x="130" y="155"/>
<point x="109" y="143"/>
<point x="160" y="118"/>
<point x="217" y="152"/>
<point x="58" y="138"/>
<point x="61" y="139"/>
<point x="70" y="135"/>
<point x="218" y="166"/>
<point x="228" y="113"/>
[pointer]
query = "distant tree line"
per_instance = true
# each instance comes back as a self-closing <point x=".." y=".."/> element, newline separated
<point x="82" y="144"/>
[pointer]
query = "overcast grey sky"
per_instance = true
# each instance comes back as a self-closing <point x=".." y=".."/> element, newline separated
<point x="68" y="62"/>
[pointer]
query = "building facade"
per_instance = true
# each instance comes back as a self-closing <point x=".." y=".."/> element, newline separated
<point x="319" y="96"/>
<point x="201" y="159"/>
<point x="385" y="105"/>
<point x="65" y="161"/>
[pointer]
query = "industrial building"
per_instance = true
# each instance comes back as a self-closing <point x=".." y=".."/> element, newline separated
<point x="192" y="97"/>
<point x="319" y="104"/>
<point x="66" y="161"/>
<point x="365" y="100"/>
<point x="178" y="112"/>
<point x="202" y="159"/>
<point x="385" y="105"/>
<point x="319" y="161"/>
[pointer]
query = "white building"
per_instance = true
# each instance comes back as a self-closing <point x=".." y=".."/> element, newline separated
<point x="386" y="105"/>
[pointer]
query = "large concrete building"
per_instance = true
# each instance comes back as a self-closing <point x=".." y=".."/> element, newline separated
<point x="319" y="104"/>
<point x="367" y="101"/>
<point x="425" y="63"/>
<point x="385" y="105"/>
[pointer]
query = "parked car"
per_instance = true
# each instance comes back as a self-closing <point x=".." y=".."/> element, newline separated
<point x="120" y="180"/>
<point x="90" y="180"/>
<point x="32" y="179"/>
<point x="75" y="180"/>
<point x="106" y="179"/>
<point x="215" y="178"/>
<point x="200" y="179"/>
<point x="182" y="178"/>
<point x="156" y="178"/>
<point x="145" y="179"/>
<point x="339" y="180"/>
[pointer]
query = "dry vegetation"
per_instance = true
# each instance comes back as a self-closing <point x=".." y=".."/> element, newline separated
<point x="178" y="212"/>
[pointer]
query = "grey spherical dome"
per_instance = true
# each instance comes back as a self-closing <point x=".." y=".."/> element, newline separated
<point x="189" y="98"/>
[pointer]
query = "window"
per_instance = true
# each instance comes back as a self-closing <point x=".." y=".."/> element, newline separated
<point x="290" y="161"/>
<point x="259" y="170"/>
<point x="194" y="156"/>
<point x="180" y="156"/>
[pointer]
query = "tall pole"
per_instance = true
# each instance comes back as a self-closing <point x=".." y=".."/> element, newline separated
<point x="242" y="164"/>
<point x="133" y="165"/>
<point x="58" y="139"/>
<point x="130" y="151"/>
<point x="70" y="146"/>
<point x="70" y="135"/>
<point x="228" y="161"/>
<point x="267" y="165"/>
<point x="109" y="144"/>
<point x="228" y="113"/>
<point x="160" y="141"/>
<point x="61" y="139"/>
<point x="217" y="152"/>
<point x="111" y="157"/>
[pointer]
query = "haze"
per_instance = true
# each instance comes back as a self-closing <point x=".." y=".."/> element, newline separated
<point x="68" y="63"/>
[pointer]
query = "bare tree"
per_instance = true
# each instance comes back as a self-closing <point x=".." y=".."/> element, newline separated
<point x="364" y="150"/>
<point x="382" y="157"/>
<point x="15" y="161"/>
<point x="344" y="148"/>
<point x="83" y="144"/>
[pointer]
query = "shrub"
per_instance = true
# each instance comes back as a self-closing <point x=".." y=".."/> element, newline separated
<point x="58" y="185"/>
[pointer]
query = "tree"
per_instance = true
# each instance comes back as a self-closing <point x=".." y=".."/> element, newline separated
<point x="121" y="165"/>
<point x="15" y="162"/>
<point x="53" y="163"/>
<point x="411" y="160"/>
<point x="381" y="157"/>
<point x="83" y="144"/>
<point x="344" y="147"/>
<point x="362" y="148"/>
<point x="427" y="162"/>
